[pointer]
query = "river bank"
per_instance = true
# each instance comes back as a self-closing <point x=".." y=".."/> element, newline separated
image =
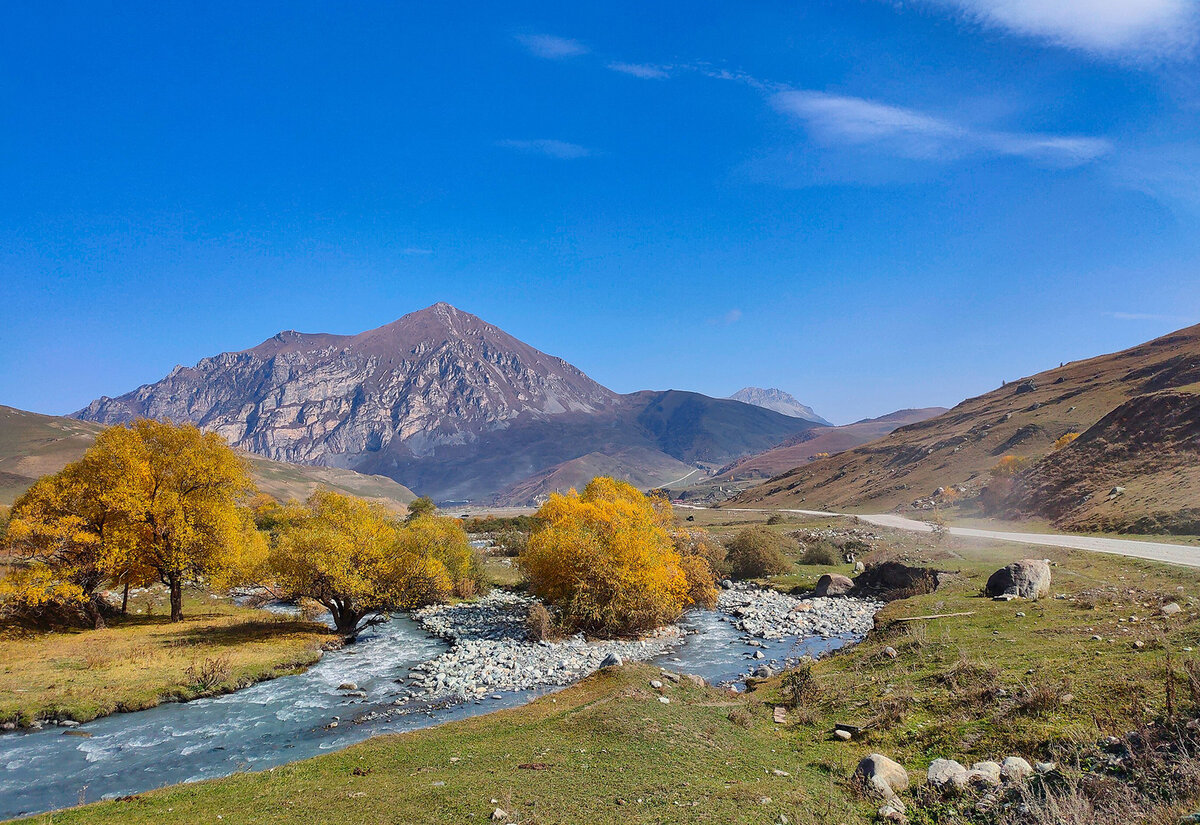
<point x="143" y="659"/>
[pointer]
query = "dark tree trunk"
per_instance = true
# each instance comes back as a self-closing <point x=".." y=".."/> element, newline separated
<point x="125" y="600"/>
<point x="97" y="617"/>
<point x="176" y="599"/>
<point x="345" y="620"/>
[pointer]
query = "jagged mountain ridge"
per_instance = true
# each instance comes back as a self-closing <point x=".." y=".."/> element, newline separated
<point x="779" y="401"/>
<point x="440" y="400"/>
<point x="433" y="377"/>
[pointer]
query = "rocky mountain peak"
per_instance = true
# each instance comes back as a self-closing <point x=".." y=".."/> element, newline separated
<point x="435" y="376"/>
<point x="777" y="400"/>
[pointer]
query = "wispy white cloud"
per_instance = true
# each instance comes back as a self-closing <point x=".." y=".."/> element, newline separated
<point x="1128" y="29"/>
<point x="558" y="149"/>
<point x="841" y="121"/>
<point x="642" y="70"/>
<point x="552" y="47"/>
<point x="416" y="250"/>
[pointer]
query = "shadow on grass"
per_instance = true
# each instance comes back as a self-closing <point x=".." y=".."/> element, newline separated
<point x="244" y="632"/>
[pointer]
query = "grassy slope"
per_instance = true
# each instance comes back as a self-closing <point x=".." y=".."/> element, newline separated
<point x="142" y="660"/>
<point x="32" y="445"/>
<point x="615" y="754"/>
<point x="960" y="446"/>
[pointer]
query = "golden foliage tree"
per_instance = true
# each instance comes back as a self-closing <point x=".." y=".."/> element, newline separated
<point x="606" y="560"/>
<point x="183" y="493"/>
<point x="147" y="501"/>
<point x="350" y="557"/>
<point x="71" y="534"/>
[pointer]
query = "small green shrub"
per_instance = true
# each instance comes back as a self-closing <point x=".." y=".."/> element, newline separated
<point x="821" y="552"/>
<point x="758" y="552"/>
<point x="799" y="686"/>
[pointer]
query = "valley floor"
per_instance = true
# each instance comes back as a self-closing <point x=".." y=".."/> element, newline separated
<point x="984" y="680"/>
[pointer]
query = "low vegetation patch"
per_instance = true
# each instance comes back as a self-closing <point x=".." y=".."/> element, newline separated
<point x="758" y="552"/>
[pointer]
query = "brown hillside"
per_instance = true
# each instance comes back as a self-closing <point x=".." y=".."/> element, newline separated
<point x="1136" y="470"/>
<point x="1023" y="418"/>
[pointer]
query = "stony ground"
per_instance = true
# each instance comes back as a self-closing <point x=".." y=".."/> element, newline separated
<point x="770" y="614"/>
<point x="490" y="651"/>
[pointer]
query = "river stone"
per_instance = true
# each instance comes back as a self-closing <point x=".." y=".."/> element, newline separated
<point x="946" y="775"/>
<point x="1027" y="579"/>
<point x="348" y="686"/>
<point x="833" y="584"/>
<point x="884" y="775"/>
<point x="611" y="660"/>
<point x="984" y="774"/>
<point x="1171" y="608"/>
<point x="1015" y="769"/>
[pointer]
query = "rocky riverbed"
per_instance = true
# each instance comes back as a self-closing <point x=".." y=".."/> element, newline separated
<point x="769" y="614"/>
<point x="490" y="652"/>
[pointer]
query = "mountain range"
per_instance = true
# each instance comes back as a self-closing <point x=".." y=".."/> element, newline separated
<point x="450" y="406"/>
<point x="1133" y="467"/>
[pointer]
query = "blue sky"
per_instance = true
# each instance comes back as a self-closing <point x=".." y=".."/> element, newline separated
<point x="870" y="204"/>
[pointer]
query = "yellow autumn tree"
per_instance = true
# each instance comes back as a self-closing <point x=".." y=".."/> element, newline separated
<point x="71" y="536"/>
<point x="148" y="501"/>
<point x="1009" y="466"/>
<point x="606" y="560"/>
<point x="182" y="492"/>
<point x="351" y="557"/>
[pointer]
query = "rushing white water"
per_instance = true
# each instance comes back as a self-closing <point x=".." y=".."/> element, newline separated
<point x="291" y="717"/>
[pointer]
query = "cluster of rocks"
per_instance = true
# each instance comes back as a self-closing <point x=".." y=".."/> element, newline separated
<point x="838" y="536"/>
<point x="490" y="651"/>
<point x="770" y="614"/>
<point x="887" y="779"/>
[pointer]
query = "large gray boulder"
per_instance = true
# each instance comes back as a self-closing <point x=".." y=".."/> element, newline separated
<point x="833" y="584"/>
<point x="947" y="775"/>
<point x="1027" y="579"/>
<point x="885" y="776"/>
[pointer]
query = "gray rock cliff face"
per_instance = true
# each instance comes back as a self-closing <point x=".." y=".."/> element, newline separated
<point x="438" y="376"/>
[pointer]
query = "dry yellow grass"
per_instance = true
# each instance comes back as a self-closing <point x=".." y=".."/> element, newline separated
<point x="144" y="659"/>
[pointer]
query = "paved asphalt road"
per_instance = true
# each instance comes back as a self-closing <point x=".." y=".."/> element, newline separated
<point x="1154" y="550"/>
